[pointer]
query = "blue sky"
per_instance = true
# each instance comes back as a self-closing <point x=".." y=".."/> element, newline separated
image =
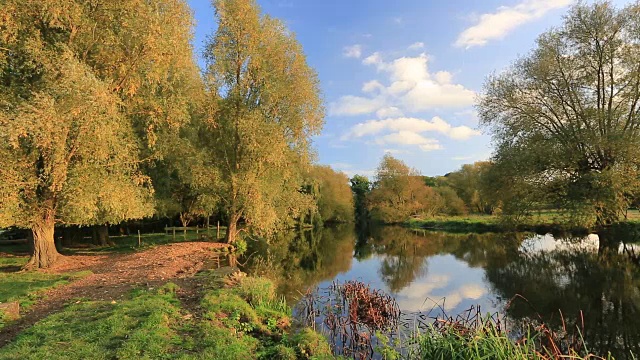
<point x="402" y="76"/>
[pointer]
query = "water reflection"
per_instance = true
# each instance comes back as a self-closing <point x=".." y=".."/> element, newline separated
<point x="565" y="276"/>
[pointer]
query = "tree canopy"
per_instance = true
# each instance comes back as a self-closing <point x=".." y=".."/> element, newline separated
<point x="84" y="87"/>
<point x="266" y="105"/>
<point x="565" y="117"/>
<point x="399" y="192"/>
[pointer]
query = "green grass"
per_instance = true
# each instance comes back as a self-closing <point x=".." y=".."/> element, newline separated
<point x="240" y="322"/>
<point x="540" y="222"/>
<point x="26" y="287"/>
<point x="480" y="343"/>
<point x="139" y="328"/>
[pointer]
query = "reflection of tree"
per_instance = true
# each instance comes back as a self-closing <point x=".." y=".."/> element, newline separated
<point x="404" y="260"/>
<point x="301" y="259"/>
<point x="604" y="287"/>
<point x="406" y="251"/>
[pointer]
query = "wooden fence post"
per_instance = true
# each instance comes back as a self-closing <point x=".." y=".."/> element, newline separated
<point x="139" y="239"/>
<point x="218" y="235"/>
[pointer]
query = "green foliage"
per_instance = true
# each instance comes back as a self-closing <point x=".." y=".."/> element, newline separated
<point x="360" y="186"/>
<point x="214" y="342"/>
<point x="469" y="184"/>
<point x="565" y="117"/>
<point x="399" y="193"/>
<point x="257" y="291"/>
<point x="312" y="345"/>
<point x="332" y="194"/>
<point x="240" y="246"/>
<point x="83" y="101"/>
<point x="265" y="106"/>
<point x="281" y="352"/>
<point x="483" y="343"/>
<point x="231" y="310"/>
<point x="452" y="203"/>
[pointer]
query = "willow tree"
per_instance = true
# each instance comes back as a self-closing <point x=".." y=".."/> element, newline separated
<point x="334" y="200"/>
<point x="566" y="119"/>
<point x="81" y="84"/>
<point x="267" y="106"/>
<point x="67" y="157"/>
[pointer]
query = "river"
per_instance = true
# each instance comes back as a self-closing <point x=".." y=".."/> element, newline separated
<point x="563" y="279"/>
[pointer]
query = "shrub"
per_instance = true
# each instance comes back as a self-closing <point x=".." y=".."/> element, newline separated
<point x="256" y="290"/>
<point x="311" y="344"/>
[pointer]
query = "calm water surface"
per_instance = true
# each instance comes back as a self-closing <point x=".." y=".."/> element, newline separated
<point x="423" y="269"/>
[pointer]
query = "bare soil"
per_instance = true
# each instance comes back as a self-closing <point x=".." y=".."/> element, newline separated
<point x="114" y="275"/>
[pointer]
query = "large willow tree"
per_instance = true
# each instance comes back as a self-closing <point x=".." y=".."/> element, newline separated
<point x="266" y="107"/>
<point x="566" y="118"/>
<point x="83" y="84"/>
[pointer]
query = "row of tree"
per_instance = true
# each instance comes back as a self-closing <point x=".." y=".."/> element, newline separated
<point x="399" y="192"/>
<point x="105" y="117"/>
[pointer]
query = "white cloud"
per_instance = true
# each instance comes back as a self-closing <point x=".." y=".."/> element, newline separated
<point x="355" y="105"/>
<point x="389" y="112"/>
<point x="409" y="138"/>
<point x="372" y="86"/>
<point x="498" y="24"/>
<point x="408" y="124"/>
<point x="416" y="46"/>
<point x="352" y="51"/>
<point x="410" y="88"/>
<point x="373" y="59"/>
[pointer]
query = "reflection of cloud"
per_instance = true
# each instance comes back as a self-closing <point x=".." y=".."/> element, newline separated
<point x="420" y="290"/>
<point x="546" y="243"/>
<point x="420" y="297"/>
<point x="466" y="291"/>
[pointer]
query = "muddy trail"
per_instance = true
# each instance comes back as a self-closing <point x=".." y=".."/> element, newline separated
<point x="114" y="275"/>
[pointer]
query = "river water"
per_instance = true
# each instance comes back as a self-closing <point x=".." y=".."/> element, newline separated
<point x="567" y="280"/>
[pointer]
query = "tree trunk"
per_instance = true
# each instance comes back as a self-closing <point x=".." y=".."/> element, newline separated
<point x="42" y="244"/>
<point x="232" y="228"/>
<point x="101" y="235"/>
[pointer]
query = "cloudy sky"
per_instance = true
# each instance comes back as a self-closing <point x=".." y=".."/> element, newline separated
<point x="402" y="76"/>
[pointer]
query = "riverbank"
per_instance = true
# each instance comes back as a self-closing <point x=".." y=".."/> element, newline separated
<point x="541" y="223"/>
<point x="171" y="301"/>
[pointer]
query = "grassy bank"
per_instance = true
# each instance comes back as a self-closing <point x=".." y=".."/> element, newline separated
<point x="539" y="222"/>
<point x="238" y="318"/>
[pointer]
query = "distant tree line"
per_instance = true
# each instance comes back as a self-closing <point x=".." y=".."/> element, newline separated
<point x="399" y="192"/>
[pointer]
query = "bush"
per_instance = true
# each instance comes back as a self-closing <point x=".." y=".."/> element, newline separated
<point x="231" y="310"/>
<point x="256" y="291"/>
<point x="311" y="344"/>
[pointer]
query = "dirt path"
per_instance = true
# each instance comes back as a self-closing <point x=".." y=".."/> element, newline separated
<point x="113" y="275"/>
